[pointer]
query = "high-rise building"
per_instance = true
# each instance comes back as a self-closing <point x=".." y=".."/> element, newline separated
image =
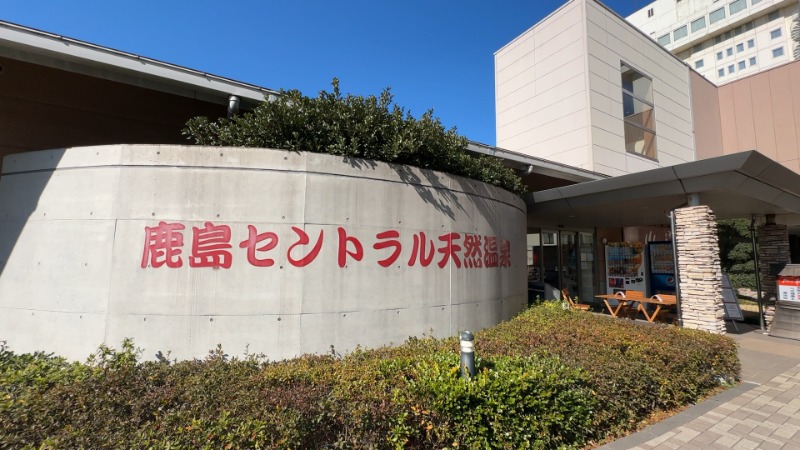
<point x="724" y="40"/>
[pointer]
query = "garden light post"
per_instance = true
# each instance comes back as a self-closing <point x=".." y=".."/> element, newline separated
<point x="467" y="354"/>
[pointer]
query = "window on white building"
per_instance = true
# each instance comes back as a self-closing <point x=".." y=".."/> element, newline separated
<point x="638" y="112"/>
<point x="719" y="56"/>
<point x="731" y="68"/>
<point x="773" y="15"/>
<point x="748" y="26"/>
<point x="754" y="2"/>
<point x="664" y="40"/>
<point x="739" y="48"/>
<point x="679" y="33"/>
<point x="698" y="24"/>
<point x="699" y="64"/>
<point x="721" y="73"/>
<point x="751" y="43"/>
<point x="775" y="34"/>
<point x="777" y="52"/>
<point x="650" y="12"/>
<point x="729" y="51"/>
<point x="737" y="6"/>
<point x="742" y="65"/>
<point x="752" y="61"/>
<point x="716" y="15"/>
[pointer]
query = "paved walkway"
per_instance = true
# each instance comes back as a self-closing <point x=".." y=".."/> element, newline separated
<point x="761" y="413"/>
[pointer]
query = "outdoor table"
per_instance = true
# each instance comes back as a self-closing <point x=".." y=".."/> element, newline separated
<point x="659" y="301"/>
<point x="622" y="305"/>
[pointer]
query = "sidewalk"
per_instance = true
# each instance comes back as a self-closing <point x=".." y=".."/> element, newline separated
<point x="760" y="413"/>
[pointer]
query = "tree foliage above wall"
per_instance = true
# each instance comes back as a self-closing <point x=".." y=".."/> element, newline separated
<point x="354" y="126"/>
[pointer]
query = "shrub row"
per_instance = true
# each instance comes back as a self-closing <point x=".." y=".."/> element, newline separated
<point x="547" y="379"/>
<point x="353" y="126"/>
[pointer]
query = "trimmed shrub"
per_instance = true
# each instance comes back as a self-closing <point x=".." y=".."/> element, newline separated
<point x="550" y="378"/>
<point x="353" y="126"/>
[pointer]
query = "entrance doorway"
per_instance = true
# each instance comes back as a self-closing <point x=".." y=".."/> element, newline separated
<point x="558" y="260"/>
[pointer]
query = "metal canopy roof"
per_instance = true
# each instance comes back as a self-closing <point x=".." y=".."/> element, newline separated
<point x="733" y="186"/>
<point x="52" y="50"/>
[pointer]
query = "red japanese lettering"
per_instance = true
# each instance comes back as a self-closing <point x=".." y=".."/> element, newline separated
<point x="472" y="251"/>
<point x="505" y="253"/>
<point x="210" y="246"/>
<point x="392" y="241"/>
<point x="450" y="249"/>
<point x="251" y="244"/>
<point x="303" y="240"/>
<point x="161" y="245"/>
<point x="490" y="251"/>
<point x="419" y="249"/>
<point x="344" y="239"/>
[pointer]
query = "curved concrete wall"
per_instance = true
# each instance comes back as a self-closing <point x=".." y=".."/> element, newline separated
<point x="183" y="248"/>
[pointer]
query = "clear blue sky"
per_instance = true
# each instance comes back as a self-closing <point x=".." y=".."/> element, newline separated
<point x="433" y="54"/>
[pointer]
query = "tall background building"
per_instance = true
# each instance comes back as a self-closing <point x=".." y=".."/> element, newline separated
<point x="724" y="40"/>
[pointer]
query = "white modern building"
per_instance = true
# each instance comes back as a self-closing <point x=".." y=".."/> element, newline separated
<point x="724" y="40"/>
<point x="584" y="87"/>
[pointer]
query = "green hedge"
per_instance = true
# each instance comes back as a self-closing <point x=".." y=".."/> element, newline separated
<point x="547" y="379"/>
<point x="353" y="126"/>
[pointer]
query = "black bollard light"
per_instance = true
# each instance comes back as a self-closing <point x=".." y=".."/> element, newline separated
<point x="467" y="354"/>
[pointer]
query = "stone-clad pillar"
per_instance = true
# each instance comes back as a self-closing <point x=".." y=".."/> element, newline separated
<point x="773" y="249"/>
<point x="699" y="269"/>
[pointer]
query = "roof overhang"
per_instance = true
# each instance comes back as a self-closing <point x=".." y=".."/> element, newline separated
<point x="523" y="162"/>
<point x="733" y="186"/>
<point x="51" y="50"/>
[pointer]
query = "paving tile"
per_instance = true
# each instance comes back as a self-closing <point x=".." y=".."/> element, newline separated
<point x="707" y="437"/>
<point x="747" y="444"/>
<point x="769" y="446"/>
<point x="686" y="435"/>
<point x="728" y="440"/>
<point x="658" y="440"/>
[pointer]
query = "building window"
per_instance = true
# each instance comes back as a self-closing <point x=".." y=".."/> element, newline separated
<point x="752" y="61"/>
<point x="679" y="33"/>
<point x="748" y="26"/>
<point x="719" y="56"/>
<point x="755" y="2"/>
<point x="751" y="43"/>
<point x="721" y="73"/>
<point x="777" y="52"/>
<point x="716" y="15"/>
<point x="697" y="48"/>
<point x="650" y="12"/>
<point x="699" y="64"/>
<point x="638" y="113"/>
<point x="729" y="51"/>
<point x="773" y="15"/>
<point x="742" y="65"/>
<point x="664" y="40"/>
<point x="737" y="6"/>
<point x="717" y="39"/>
<point x="698" y="24"/>
<point x="775" y="34"/>
<point x="739" y="48"/>
<point x="731" y="68"/>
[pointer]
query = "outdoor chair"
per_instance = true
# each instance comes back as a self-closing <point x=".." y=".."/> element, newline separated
<point x="572" y="303"/>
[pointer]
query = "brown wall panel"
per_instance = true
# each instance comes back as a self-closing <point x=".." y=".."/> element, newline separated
<point x="783" y="115"/>
<point x="43" y="107"/>
<point x="706" y="117"/>
<point x="763" y="120"/>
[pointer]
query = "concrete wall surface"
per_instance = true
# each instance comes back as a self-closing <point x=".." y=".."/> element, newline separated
<point x="183" y="248"/>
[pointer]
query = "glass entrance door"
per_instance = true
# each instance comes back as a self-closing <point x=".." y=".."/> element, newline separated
<point x="570" y="256"/>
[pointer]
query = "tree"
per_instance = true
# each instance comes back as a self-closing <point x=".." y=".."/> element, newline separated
<point x="354" y="126"/>
<point x="736" y="252"/>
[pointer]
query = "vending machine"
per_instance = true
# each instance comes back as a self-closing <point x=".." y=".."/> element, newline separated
<point x="661" y="268"/>
<point x="625" y="267"/>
